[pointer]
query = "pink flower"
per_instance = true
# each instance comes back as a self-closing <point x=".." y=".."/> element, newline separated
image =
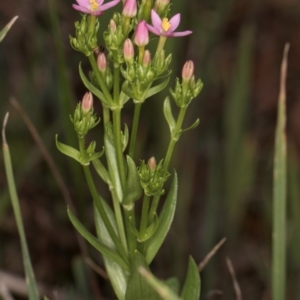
<point x="130" y="8"/>
<point x="141" y="37"/>
<point x="94" y="7"/>
<point x="165" y="27"/>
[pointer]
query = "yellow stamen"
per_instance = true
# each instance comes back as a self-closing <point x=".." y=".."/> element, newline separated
<point x="94" y="5"/>
<point x="165" y="24"/>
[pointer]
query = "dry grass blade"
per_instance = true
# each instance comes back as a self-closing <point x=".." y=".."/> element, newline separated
<point x="210" y="254"/>
<point x="236" y="286"/>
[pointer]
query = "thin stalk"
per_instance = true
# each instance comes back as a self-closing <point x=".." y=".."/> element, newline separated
<point x="136" y="118"/>
<point x="100" y="79"/>
<point x="30" y="279"/>
<point x="279" y="193"/>
<point x="130" y="218"/>
<point x="106" y="116"/>
<point x="174" y="138"/>
<point x="144" y="219"/>
<point x="100" y="206"/>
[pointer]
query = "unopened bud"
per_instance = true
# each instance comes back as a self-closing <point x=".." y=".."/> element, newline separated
<point x="146" y="58"/>
<point x="141" y="37"/>
<point x="128" y="50"/>
<point x="102" y="62"/>
<point x="187" y="71"/>
<point x="129" y="9"/>
<point x="152" y="163"/>
<point x="160" y="6"/>
<point x="87" y="102"/>
<point x="112" y="26"/>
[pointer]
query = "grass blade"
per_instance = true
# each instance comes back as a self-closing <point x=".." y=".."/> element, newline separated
<point x="5" y="30"/>
<point x="32" y="288"/>
<point x="279" y="193"/>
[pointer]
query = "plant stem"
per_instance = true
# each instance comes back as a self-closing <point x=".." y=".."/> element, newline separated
<point x="144" y="219"/>
<point x="100" y="79"/>
<point x="174" y="138"/>
<point x="100" y="206"/>
<point x="136" y="118"/>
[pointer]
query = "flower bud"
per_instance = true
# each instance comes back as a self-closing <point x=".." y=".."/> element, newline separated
<point x="129" y="9"/>
<point x="146" y="58"/>
<point x="87" y="102"/>
<point x="112" y="26"/>
<point x="102" y="62"/>
<point x="141" y="37"/>
<point x="128" y="50"/>
<point x="152" y="163"/>
<point x="160" y="6"/>
<point x="187" y="71"/>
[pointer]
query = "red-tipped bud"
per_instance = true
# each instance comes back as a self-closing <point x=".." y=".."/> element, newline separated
<point x="152" y="163"/>
<point x="129" y="9"/>
<point x="128" y="50"/>
<point x="141" y="37"/>
<point x="87" y="102"/>
<point x="146" y="58"/>
<point x="102" y="62"/>
<point x="112" y="26"/>
<point x="187" y="71"/>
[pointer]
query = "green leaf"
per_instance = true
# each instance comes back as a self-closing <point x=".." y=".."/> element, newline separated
<point x="168" y="115"/>
<point x="162" y="289"/>
<point x="123" y="98"/>
<point x="113" y="166"/>
<point x="101" y="247"/>
<point x="191" y="287"/>
<point x="150" y="230"/>
<point x="68" y="150"/>
<point x="156" y="89"/>
<point x="173" y="284"/>
<point x="4" y="31"/>
<point x="196" y="123"/>
<point x="102" y="172"/>
<point x="165" y="220"/>
<point x="138" y="288"/>
<point x="133" y="190"/>
<point x="92" y="88"/>
<point x="116" y="274"/>
<point x="127" y="90"/>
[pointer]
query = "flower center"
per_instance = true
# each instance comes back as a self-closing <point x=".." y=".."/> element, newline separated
<point x="165" y="24"/>
<point x="93" y="5"/>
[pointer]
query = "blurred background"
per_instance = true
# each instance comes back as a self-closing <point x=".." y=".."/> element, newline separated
<point x="225" y="165"/>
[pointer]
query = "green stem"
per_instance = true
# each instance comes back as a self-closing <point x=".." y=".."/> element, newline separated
<point x="100" y="79"/>
<point x="136" y="118"/>
<point x="141" y="54"/>
<point x="174" y="138"/>
<point x="130" y="218"/>
<point x="144" y="219"/>
<point x="161" y="44"/>
<point x="100" y="206"/>
<point x="106" y="116"/>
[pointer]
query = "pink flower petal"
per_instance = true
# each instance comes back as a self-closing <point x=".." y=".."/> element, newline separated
<point x="81" y="8"/>
<point x="100" y="2"/>
<point x="83" y="3"/>
<point x="181" y="33"/>
<point x="174" y="21"/>
<point x="109" y="5"/>
<point x="156" y="20"/>
<point x="153" y="29"/>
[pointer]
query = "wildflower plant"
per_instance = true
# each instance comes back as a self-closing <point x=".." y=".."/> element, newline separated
<point x="127" y="239"/>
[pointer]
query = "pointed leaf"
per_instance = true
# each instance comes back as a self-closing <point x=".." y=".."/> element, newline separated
<point x="68" y="150"/>
<point x="4" y="31"/>
<point x="102" y="172"/>
<point x="113" y="167"/>
<point x="116" y="274"/>
<point x="101" y="247"/>
<point x="134" y="189"/>
<point x="92" y="88"/>
<point x="150" y="229"/>
<point x="156" y="89"/>
<point x="165" y="220"/>
<point x="162" y="289"/>
<point x="196" y="123"/>
<point x="123" y="98"/>
<point x="138" y="288"/>
<point x="168" y="115"/>
<point x="127" y="90"/>
<point x="191" y="287"/>
<point x="173" y="283"/>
